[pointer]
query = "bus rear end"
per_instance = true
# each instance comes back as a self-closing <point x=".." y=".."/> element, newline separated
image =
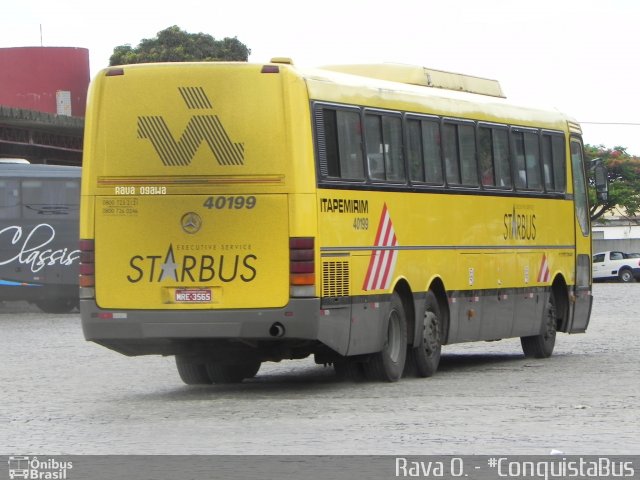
<point x="189" y="245"/>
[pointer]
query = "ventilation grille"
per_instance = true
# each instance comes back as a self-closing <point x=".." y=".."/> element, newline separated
<point x="322" y="146"/>
<point x="335" y="279"/>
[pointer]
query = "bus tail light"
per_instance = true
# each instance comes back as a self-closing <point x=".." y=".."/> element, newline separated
<point x="87" y="277"/>
<point x="302" y="276"/>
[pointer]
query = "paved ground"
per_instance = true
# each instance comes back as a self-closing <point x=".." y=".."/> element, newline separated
<point x="62" y="395"/>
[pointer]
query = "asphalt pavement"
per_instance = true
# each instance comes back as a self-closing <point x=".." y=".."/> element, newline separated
<point x="63" y="395"/>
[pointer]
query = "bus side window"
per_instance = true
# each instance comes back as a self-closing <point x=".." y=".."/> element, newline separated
<point x="559" y="163"/>
<point x="532" y="152"/>
<point x="415" y="151"/>
<point x="9" y="199"/>
<point x="547" y="163"/>
<point x="375" y="152"/>
<point x="450" y="150"/>
<point x="432" y="157"/>
<point x="423" y="151"/>
<point x="383" y="134"/>
<point x="35" y="197"/>
<point x="554" y="162"/>
<point x="394" y="161"/>
<point x="526" y="159"/>
<point x="519" y="160"/>
<point x="342" y="144"/>
<point x="71" y="192"/>
<point x="485" y="157"/>
<point x="468" y="166"/>
<point x="501" y="157"/>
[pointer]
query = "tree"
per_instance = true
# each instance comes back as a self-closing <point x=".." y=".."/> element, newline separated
<point x="624" y="180"/>
<point x="175" y="45"/>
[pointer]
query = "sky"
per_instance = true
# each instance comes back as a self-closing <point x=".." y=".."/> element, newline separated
<point x="578" y="56"/>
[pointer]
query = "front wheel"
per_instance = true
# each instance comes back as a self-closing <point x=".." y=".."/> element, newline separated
<point x="388" y="364"/>
<point x="541" y="346"/>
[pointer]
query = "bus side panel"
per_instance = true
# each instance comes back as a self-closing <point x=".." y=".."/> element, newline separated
<point x="39" y="236"/>
<point x="497" y="263"/>
<point x="368" y="328"/>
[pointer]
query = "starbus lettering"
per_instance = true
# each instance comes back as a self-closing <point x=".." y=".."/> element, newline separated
<point x="343" y="205"/>
<point x="29" y="248"/>
<point x="203" y="268"/>
<point x="519" y="226"/>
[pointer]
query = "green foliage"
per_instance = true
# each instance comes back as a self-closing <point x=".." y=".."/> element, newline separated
<point x="175" y="45"/>
<point x="624" y="180"/>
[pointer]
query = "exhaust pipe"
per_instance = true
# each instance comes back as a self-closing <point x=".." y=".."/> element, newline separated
<point x="276" y="330"/>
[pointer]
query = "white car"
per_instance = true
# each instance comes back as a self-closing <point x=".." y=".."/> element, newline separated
<point x="614" y="265"/>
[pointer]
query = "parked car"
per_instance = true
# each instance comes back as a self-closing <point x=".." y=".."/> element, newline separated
<point x="613" y="265"/>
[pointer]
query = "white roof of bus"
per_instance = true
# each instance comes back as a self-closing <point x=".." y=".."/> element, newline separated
<point x="437" y="99"/>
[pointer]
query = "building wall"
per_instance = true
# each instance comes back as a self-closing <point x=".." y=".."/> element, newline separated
<point x="46" y="79"/>
<point x="629" y="245"/>
<point x="615" y="232"/>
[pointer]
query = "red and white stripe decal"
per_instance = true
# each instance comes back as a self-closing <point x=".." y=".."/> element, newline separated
<point x="544" y="274"/>
<point x="383" y="262"/>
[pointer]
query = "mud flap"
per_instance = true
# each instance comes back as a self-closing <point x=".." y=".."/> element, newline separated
<point x="581" y="310"/>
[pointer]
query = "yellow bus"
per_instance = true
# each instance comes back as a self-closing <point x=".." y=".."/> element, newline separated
<point x="236" y="213"/>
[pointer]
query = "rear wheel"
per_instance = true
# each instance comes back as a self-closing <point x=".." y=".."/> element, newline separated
<point x="191" y="372"/>
<point x="388" y="364"/>
<point x="232" y="372"/>
<point x="426" y="355"/>
<point x="626" y="276"/>
<point x="541" y="346"/>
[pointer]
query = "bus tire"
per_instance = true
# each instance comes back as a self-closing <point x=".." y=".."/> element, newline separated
<point x="222" y="373"/>
<point x="57" y="305"/>
<point x="388" y="364"/>
<point x="192" y="373"/>
<point x="426" y="355"/>
<point x="541" y="346"/>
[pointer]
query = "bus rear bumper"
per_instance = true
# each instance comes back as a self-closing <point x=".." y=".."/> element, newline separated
<point x="170" y="332"/>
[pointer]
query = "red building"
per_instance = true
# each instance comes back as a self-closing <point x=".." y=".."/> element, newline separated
<point x="45" y="79"/>
<point x="43" y="93"/>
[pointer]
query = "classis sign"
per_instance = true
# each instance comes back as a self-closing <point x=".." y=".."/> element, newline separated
<point x="33" y="247"/>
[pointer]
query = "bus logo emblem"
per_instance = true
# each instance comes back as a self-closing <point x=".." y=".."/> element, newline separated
<point x="191" y="222"/>
<point x="201" y="128"/>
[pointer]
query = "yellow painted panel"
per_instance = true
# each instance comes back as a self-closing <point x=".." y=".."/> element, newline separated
<point x="168" y="251"/>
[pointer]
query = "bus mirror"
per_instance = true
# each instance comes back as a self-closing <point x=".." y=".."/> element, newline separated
<point x="602" y="182"/>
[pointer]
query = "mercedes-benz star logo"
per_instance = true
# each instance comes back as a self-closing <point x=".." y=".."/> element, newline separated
<point x="191" y="222"/>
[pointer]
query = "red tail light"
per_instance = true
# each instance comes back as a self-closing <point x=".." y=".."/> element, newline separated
<point x="87" y="278"/>
<point x="302" y="277"/>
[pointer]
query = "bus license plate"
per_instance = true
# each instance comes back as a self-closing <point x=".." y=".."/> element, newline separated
<point x="200" y="295"/>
